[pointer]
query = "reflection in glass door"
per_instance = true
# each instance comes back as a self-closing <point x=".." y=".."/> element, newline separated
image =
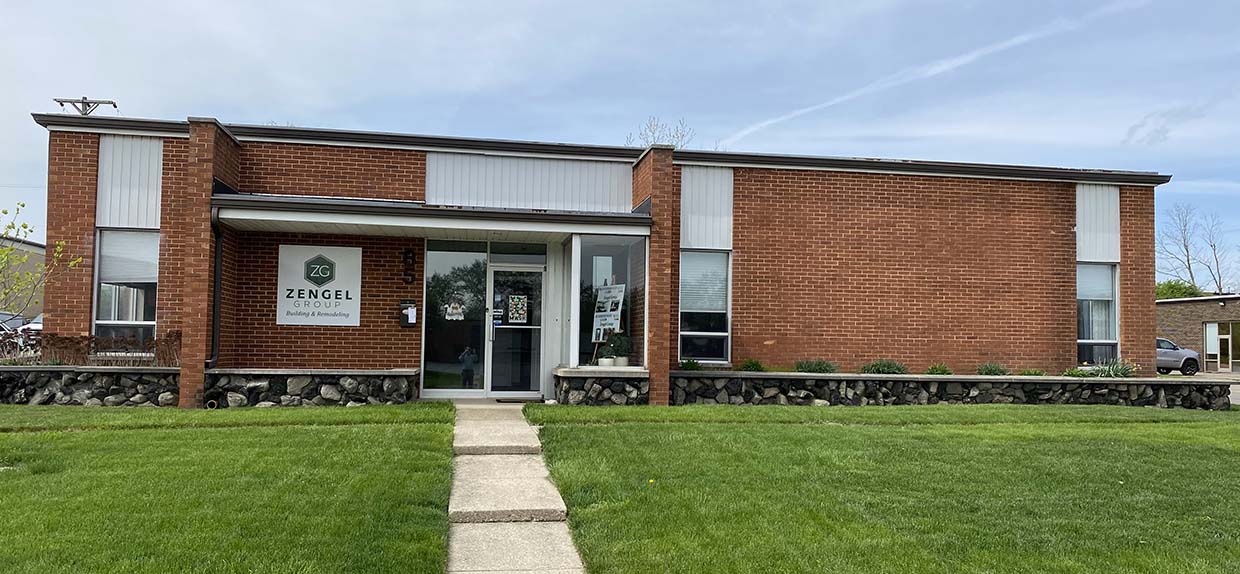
<point x="516" y="330"/>
<point x="456" y="307"/>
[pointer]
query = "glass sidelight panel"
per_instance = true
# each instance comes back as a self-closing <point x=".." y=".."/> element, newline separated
<point x="516" y="313"/>
<point x="456" y="307"/>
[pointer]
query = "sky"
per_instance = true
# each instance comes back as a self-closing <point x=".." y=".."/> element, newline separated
<point x="1128" y="84"/>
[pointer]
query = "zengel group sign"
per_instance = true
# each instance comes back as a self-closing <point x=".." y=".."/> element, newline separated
<point x="319" y="286"/>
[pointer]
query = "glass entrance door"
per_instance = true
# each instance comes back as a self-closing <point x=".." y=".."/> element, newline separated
<point x="515" y="327"/>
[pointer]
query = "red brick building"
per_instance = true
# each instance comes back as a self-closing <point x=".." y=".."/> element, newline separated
<point x="485" y="265"/>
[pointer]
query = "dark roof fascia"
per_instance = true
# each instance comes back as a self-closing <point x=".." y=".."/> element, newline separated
<point x="25" y="242"/>
<point x="330" y="136"/>
<point x="296" y="203"/>
<point x="103" y="122"/>
<point x="319" y="135"/>
<point x="922" y="167"/>
<point x="1202" y="299"/>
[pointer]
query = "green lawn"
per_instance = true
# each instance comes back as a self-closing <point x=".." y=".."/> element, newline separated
<point x="983" y="489"/>
<point x="241" y="490"/>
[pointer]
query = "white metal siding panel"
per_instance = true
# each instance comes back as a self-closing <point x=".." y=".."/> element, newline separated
<point x="705" y="207"/>
<point x="1097" y="223"/>
<point x="131" y="171"/>
<point x="528" y="183"/>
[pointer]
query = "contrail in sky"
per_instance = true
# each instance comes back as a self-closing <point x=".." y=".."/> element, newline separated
<point x="937" y="67"/>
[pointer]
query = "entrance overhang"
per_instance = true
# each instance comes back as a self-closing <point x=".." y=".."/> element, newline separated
<point x="323" y="215"/>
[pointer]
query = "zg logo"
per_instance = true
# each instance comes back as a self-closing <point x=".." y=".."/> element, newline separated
<point x="320" y="270"/>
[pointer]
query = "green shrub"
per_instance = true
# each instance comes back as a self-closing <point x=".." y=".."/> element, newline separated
<point x="1033" y="373"/>
<point x="751" y="365"/>
<point x="1078" y="373"/>
<point x="938" y="369"/>
<point x="690" y="365"/>
<point x="815" y="366"/>
<point x="992" y="369"/>
<point x="884" y="367"/>
<point x="1117" y="369"/>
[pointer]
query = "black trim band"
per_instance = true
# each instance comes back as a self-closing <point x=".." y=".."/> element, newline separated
<point x="924" y="167"/>
<point x="409" y="209"/>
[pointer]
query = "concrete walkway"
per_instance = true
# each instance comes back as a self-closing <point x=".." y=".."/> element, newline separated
<point x="506" y="514"/>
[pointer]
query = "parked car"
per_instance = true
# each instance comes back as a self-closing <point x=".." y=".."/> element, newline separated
<point x="1172" y="357"/>
<point x="32" y="332"/>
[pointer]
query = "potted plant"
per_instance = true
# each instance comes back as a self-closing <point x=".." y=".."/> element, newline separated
<point x="619" y="347"/>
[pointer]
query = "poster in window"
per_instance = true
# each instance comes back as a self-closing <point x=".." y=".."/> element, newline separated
<point x="607" y="312"/>
<point x="454" y="311"/>
<point x="518" y="309"/>
<point x="610" y="298"/>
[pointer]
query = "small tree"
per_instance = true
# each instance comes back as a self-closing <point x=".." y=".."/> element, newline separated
<point x="654" y="131"/>
<point x="22" y="280"/>
<point x="1177" y="289"/>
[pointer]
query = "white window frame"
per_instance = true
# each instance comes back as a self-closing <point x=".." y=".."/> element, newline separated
<point x="95" y="322"/>
<point x="1114" y="268"/>
<point x="574" y="255"/>
<point x="727" y="335"/>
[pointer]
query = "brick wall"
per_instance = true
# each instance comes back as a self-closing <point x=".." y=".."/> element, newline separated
<point x="379" y="342"/>
<point x="1138" y="323"/>
<point x="175" y="186"/>
<point x="333" y="171"/>
<point x="855" y="267"/>
<point x="1182" y="323"/>
<point x="656" y="178"/>
<point x="72" y="175"/>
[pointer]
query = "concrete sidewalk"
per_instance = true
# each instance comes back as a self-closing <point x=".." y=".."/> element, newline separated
<point x="506" y="514"/>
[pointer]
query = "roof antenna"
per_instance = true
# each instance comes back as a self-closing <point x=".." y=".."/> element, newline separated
<point x="85" y="105"/>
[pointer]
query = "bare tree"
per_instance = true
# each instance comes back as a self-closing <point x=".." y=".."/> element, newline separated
<point x="655" y="131"/>
<point x="1177" y="244"/>
<point x="1216" y="257"/>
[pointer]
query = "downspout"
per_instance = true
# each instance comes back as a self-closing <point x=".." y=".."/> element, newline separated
<point x="217" y="231"/>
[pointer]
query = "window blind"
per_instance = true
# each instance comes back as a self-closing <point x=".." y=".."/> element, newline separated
<point x="703" y="281"/>
<point x="128" y="257"/>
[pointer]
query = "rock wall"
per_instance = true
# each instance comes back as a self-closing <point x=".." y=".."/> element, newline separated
<point x="90" y="387"/>
<point x="602" y="390"/>
<point x="293" y="390"/>
<point x="766" y="390"/>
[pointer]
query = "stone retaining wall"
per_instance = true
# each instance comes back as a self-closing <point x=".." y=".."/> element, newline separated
<point x="861" y="390"/>
<point x="309" y="388"/>
<point x="580" y="390"/>
<point x="89" y="386"/>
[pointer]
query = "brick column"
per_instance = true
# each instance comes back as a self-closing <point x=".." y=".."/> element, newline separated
<point x="655" y="177"/>
<point x="72" y="183"/>
<point x="1138" y="323"/>
<point x="188" y="254"/>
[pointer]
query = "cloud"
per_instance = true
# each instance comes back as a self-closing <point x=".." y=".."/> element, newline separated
<point x="942" y="66"/>
<point x="1155" y="127"/>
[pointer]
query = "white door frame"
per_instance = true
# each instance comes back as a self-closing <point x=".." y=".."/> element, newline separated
<point x="1231" y="360"/>
<point x="489" y="329"/>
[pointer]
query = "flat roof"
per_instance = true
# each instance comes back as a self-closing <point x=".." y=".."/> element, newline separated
<point x="1227" y="297"/>
<point x="246" y="132"/>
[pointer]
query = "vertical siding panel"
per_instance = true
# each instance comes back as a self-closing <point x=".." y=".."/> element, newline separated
<point x="706" y="207"/>
<point x="129" y="182"/>
<point x="1097" y="223"/>
<point x="527" y="183"/>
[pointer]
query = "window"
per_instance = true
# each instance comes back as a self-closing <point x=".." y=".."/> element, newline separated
<point x="125" y="294"/>
<point x="1096" y="326"/>
<point x="704" y="321"/>
<point x="616" y="326"/>
<point x="1166" y="345"/>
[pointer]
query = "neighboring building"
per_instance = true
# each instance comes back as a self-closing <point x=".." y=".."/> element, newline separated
<point x="34" y="261"/>
<point x="488" y="263"/>
<point x="1209" y="325"/>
